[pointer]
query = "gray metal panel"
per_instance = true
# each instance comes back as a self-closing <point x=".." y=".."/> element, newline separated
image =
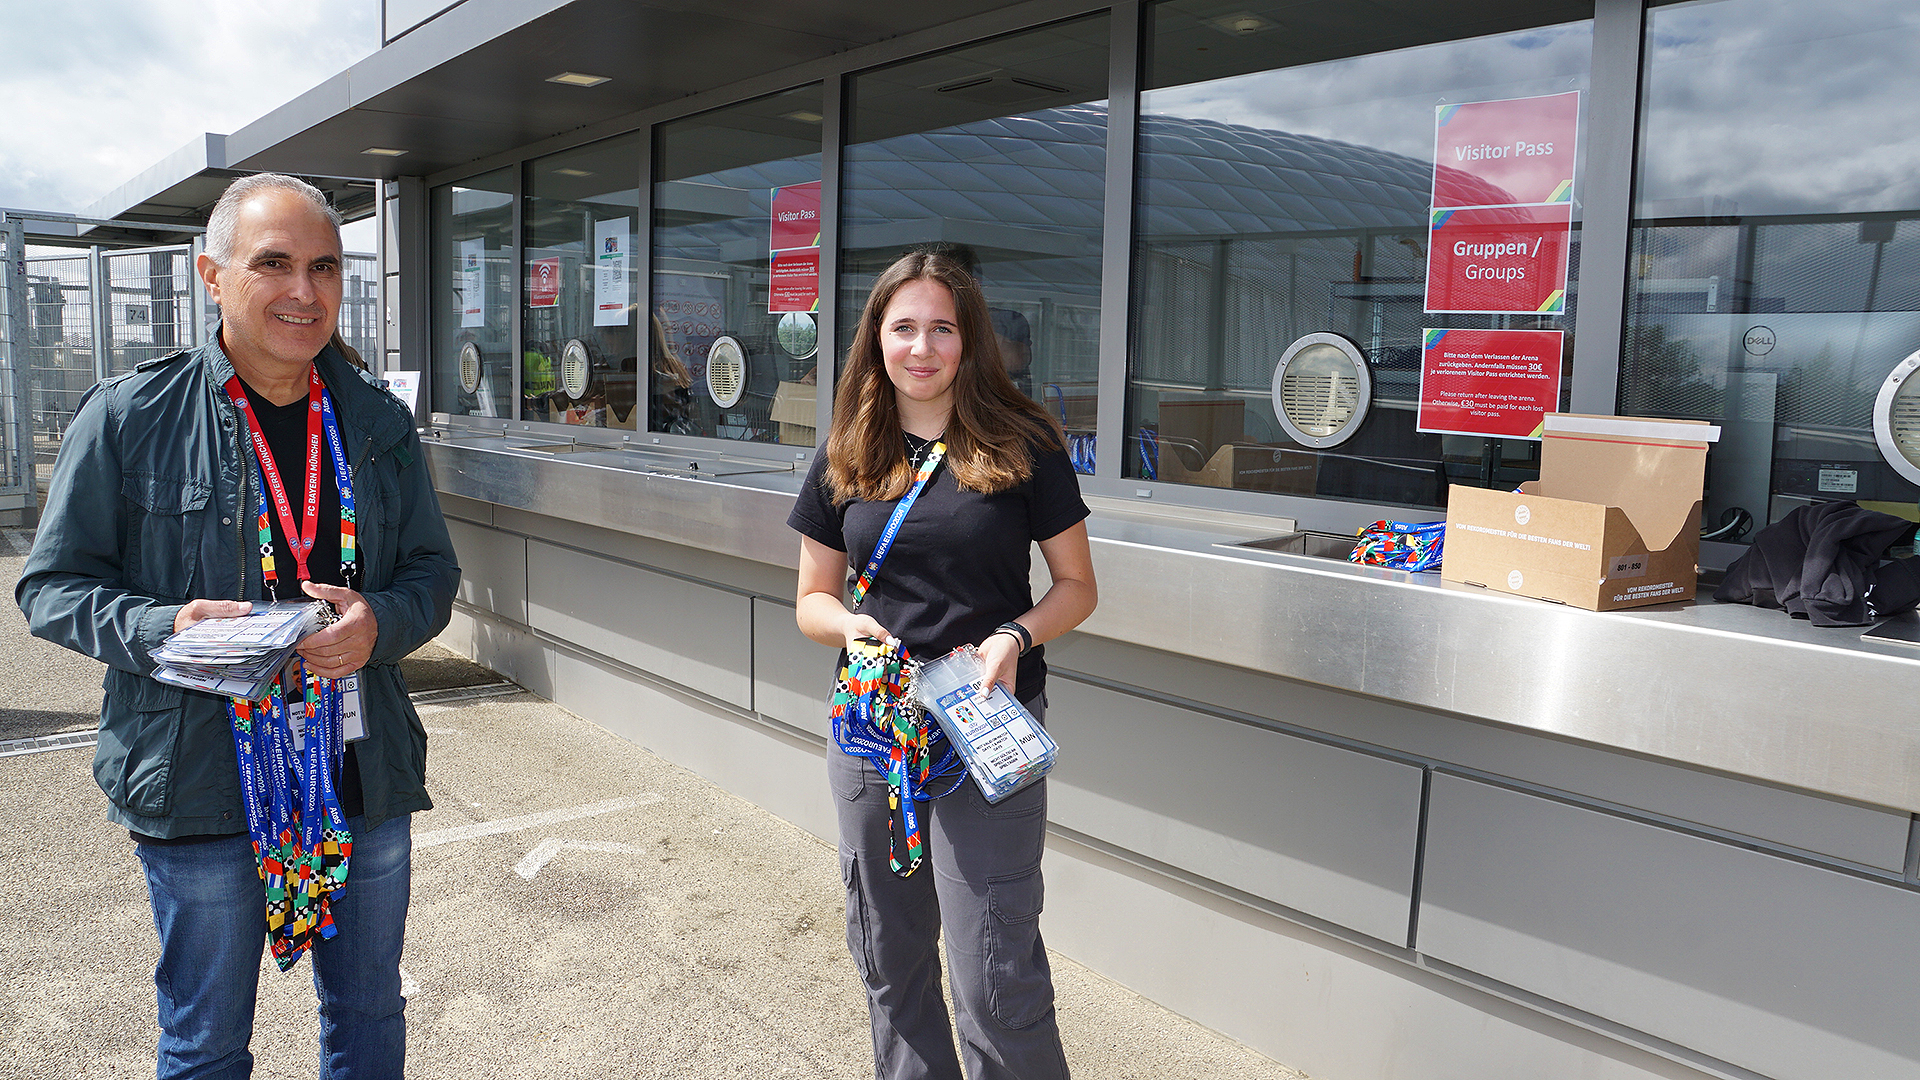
<point x="697" y="563"/>
<point x="493" y="569"/>
<point x="1313" y="827"/>
<point x="792" y="676"/>
<point x="679" y="630"/>
<point x="1719" y="686"/>
<point x="1844" y="830"/>
<point x="1792" y="971"/>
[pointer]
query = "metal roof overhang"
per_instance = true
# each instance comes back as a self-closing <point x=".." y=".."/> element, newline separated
<point x="472" y="83"/>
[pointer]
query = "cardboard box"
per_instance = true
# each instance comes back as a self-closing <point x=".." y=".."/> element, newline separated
<point x="1247" y="468"/>
<point x="793" y="410"/>
<point x="1207" y="424"/>
<point x="1613" y="521"/>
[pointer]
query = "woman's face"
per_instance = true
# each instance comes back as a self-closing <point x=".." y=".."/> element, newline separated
<point x="920" y="343"/>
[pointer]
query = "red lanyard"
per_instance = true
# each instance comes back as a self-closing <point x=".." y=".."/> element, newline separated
<point x="299" y="541"/>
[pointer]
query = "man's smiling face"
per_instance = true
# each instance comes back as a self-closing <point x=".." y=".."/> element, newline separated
<point x="279" y="293"/>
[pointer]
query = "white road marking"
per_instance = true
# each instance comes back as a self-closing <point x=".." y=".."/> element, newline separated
<point x="408" y="987"/>
<point x="436" y="837"/>
<point x="544" y="851"/>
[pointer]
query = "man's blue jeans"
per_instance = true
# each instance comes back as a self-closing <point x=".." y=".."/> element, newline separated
<point x="210" y="909"/>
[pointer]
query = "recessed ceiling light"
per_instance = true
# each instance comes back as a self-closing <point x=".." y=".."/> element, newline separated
<point x="1240" y="24"/>
<point x="572" y="172"/>
<point x="804" y="116"/>
<point x="574" y="78"/>
<point x="382" y="151"/>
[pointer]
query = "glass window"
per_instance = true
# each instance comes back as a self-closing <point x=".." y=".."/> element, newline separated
<point x="1774" y="267"/>
<point x="578" y="360"/>
<point x="1291" y="211"/>
<point x="736" y="270"/>
<point x="472" y="294"/>
<point x="999" y="148"/>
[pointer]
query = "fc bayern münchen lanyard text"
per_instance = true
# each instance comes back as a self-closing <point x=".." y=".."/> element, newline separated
<point x="321" y="423"/>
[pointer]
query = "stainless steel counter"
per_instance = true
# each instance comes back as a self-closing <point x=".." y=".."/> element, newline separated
<point x="1724" y="687"/>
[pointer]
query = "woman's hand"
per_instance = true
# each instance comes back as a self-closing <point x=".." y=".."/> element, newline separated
<point x="999" y="662"/>
<point x="819" y="608"/>
<point x="863" y="626"/>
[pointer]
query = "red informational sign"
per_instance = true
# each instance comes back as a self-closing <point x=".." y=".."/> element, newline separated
<point x="1494" y="383"/>
<point x="796" y="281"/>
<point x="796" y="217"/>
<point x="1499" y="259"/>
<point x="1505" y="153"/>
<point x="795" y="256"/>
<point x="543" y="283"/>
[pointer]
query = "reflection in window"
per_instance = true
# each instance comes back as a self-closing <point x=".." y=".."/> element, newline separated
<point x="472" y="290"/>
<point x="1000" y="149"/>
<point x="1774" y="279"/>
<point x="1287" y="186"/>
<point x="736" y="271"/>
<point x="579" y="361"/>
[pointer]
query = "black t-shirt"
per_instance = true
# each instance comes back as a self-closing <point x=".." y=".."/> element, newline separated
<point x="961" y="562"/>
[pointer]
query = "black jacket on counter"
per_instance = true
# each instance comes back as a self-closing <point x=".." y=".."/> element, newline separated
<point x="1827" y="563"/>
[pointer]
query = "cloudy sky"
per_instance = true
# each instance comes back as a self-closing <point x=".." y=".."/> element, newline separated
<point x="100" y="90"/>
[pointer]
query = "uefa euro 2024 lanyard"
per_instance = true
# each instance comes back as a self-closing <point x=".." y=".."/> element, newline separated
<point x="300" y="839"/>
<point x="874" y="715"/>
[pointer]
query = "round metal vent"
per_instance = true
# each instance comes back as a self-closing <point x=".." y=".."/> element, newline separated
<point x="574" y="368"/>
<point x="470" y="367"/>
<point x="726" y="371"/>
<point x="1896" y="419"/>
<point x="1322" y="390"/>
<point x="798" y="334"/>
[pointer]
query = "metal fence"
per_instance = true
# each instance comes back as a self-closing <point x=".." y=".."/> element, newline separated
<point x="95" y="314"/>
<point x="71" y="318"/>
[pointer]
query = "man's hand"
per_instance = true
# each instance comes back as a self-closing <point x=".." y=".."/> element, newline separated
<point x="196" y="610"/>
<point x="343" y="648"/>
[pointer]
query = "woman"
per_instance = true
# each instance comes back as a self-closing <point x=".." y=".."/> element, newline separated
<point x="924" y="369"/>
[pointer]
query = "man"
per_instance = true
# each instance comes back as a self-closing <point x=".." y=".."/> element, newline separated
<point x="172" y="484"/>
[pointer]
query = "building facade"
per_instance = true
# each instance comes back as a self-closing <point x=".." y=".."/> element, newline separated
<point x="1369" y="824"/>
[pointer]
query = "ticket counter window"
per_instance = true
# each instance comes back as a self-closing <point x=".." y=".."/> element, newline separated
<point x="731" y="331"/>
<point x="998" y="150"/>
<point x="1357" y="245"/>
<point x="473" y="364"/>
<point x="580" y="353"/>
<point x="1774" y="262"/>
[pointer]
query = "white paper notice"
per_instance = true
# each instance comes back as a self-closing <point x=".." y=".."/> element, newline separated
<point x="404" y="385"/>
<point x="610" y="272"/>
<point x="473" y="282"/>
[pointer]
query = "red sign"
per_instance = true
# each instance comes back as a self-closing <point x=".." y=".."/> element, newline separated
<point x="1505" y="153"/>
<point x="1493" y="383"/>
<point x="796" y="281"/>
<point x="796" y="217"/>
<point x="543" y="283"/>
<point x="1499" y="259"/>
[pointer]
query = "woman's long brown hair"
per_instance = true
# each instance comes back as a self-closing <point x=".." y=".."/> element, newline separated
<point x="993" y="426"/>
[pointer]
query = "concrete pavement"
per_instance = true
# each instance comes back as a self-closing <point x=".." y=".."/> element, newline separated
<point x="581" y="909"/>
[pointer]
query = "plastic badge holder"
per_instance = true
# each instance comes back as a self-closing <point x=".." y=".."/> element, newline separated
<point x="1004" y="747"/>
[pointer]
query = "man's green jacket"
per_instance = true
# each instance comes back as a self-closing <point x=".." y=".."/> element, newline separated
<point x="154" y="502"/>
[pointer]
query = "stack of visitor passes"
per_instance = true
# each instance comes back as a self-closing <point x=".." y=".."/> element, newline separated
<point x="238" y="657"/>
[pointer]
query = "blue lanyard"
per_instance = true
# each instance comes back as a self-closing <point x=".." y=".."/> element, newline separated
<point x="880" y="550"/>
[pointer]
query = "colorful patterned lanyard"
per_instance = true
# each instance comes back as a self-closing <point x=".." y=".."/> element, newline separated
<point x="300" y="539"/>
<point x="301" y="843"/>
<point x="875" y="716"/>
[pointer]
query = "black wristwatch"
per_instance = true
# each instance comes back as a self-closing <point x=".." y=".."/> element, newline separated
<point x="1019" y="632"/>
